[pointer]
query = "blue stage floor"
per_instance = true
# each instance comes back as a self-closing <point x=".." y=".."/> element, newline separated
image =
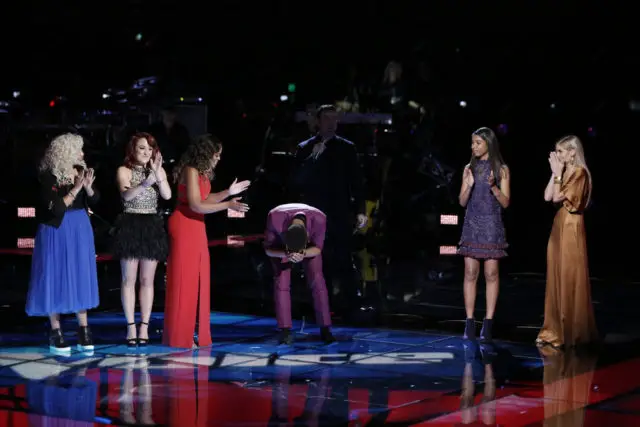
<point x="369" y="377"/>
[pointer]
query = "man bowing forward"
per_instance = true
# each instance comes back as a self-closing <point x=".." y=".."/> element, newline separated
<point x="295" y="234"/>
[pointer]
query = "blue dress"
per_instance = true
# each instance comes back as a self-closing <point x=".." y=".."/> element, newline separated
<point x="483" y="235"/>
<point x="64" y="276"/>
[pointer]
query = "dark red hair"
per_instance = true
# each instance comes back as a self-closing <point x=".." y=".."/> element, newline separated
<point x="130" y="153"/>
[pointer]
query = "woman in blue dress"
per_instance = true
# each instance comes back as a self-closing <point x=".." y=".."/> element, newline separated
<point x="63" y="269"/>
<point x="485" y="193"/>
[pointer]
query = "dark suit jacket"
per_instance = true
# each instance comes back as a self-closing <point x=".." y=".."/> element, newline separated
<point x="333" y="182"/>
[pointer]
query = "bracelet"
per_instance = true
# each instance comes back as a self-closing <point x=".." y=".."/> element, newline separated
<point x="557" y="180"/>
<point x="73" y="196"/>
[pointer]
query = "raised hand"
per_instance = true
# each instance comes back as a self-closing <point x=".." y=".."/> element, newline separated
<point x="238" y="187"/>
<point x="78" y="181"/>
<point x="491" y="179"/>
<point x="156" y="163"/>
<point x="236" y="205"/>
<point x="89" y="177"/>
<point x="555" y="163"/>
<point x="468" y="177"/>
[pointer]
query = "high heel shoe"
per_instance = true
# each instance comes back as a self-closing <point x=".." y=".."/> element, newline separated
<point x="486" y="332"/>
<point x="142" y="342"/>
<point x="131" y="342"/>
<point x="469" y="330"/>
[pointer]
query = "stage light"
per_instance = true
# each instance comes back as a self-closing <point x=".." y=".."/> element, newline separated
<point x="463" y="104"/>
<point x="199" y="99"/>
<point x="284" y="98"/>
<point x="105" y="96"/>
<point x="448" y="219"/>
<point x="52" y="103"/>
<point x="292" y="87"/>
<point x="138" y="37"/>
<point x="503" y="129"/>
<point x="181" y="99"/>
<point x="591" y="131"/>
<point x="25" y="243"/>
<point x="553" y="106"/>
<point x="16" y="93"/>
<point x="26" y="212"/>
<point x="448" y="250"/>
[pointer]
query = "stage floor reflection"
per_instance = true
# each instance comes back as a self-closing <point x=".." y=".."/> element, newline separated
<point x="369" y="377"/>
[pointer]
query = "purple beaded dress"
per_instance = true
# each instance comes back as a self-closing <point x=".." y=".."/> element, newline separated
<point x="483" y="235"/>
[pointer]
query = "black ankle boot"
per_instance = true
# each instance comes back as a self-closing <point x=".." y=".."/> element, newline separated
<point x="85" y="341"/>
<point x="485" y="333"/>
<point x="469" y="330"/>
<point x="284" y="337"/>
<point x="326" y="335"/>
<point x="57" y="343"/>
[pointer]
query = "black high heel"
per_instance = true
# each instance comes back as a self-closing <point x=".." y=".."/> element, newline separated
<point x="131" y="342"/>
<point x="142" y="342"/>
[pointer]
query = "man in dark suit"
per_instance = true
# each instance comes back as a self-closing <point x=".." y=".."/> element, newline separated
<point x="327" y="174"/>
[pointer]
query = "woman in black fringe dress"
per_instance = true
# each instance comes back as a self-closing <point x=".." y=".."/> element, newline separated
<point x="140" y="240"/>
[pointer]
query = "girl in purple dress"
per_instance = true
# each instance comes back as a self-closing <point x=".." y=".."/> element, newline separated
<point x="485" y="192"/>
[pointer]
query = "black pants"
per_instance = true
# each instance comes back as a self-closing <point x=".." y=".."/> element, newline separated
<point x="338" y="266"/>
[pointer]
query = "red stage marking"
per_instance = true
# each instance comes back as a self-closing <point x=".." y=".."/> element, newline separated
<point x="557" y="398"/>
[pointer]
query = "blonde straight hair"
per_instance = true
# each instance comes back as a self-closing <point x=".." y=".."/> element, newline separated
<point x="572" y="142"/>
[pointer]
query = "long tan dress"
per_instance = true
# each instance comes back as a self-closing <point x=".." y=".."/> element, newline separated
<point x="568" y="312"/>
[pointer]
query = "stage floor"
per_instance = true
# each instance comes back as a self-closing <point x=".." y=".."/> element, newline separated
<point x="369" y="377"/>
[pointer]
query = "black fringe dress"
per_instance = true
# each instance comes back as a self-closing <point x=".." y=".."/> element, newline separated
<point x="140" y="231"/>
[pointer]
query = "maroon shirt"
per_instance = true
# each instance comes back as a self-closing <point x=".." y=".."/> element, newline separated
<point x="279" y="220"/>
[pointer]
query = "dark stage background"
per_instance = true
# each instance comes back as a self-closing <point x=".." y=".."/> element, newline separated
<point x="531" y="74"/>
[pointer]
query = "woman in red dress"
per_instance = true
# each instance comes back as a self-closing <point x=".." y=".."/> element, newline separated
<point x="188" y="271"/>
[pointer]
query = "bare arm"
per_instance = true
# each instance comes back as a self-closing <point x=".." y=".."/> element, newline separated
<point x="163" y="184"/>
<point x="548" y="191"/>
<point x="557" y="195"/>
<point x="217" y="197"/>
<point x="196" y="204"/>
<point x="124" y="184"/>
<point x="465" y="190"/>
<point x="275" y="253"/>
<point x="503" y="193"/>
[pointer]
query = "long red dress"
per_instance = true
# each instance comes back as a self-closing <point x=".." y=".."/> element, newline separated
<point x="188" y="274"/>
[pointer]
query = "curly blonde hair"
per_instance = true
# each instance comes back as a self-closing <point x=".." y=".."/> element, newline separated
<point x="61" y="156"/>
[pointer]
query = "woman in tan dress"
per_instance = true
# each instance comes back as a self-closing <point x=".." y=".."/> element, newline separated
<point x="568" y="313"/>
